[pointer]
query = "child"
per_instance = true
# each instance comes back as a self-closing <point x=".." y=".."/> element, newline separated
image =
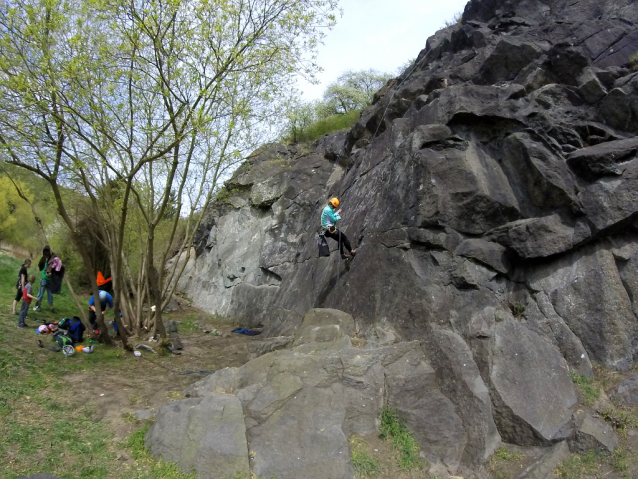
<point x="27" y="298"/>
<point x="22" y="279"/>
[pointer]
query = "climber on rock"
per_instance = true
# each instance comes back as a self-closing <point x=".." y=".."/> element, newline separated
<point x="329" y="218"/>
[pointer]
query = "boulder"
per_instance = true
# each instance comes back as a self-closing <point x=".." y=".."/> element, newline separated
<point x="592" y="434"/>
<point x="460" y="380"/>
<point x="610" y="201"/>
<point x="509" y="57"/>
<point x="491" y="254"/>
<point x="543" y="466"/>
<point x="586" y="291"/>
<point x="597" y="161"/>
<point x="590" y="87"/>
<point x="533" y="405"/>
<point x="541" y="237"/>
<point x="626" y="393"/>
<point x="205" y="434"/>
<point x="615" y="108"/>
<point x="431" y="416"/>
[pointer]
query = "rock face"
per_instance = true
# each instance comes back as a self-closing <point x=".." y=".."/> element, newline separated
<point x="492" y="189"/>
<point x="297" y="407"/>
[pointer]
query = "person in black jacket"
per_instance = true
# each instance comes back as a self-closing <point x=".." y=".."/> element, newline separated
<point x="22" y="280"/>
<point x="48" y="263"/>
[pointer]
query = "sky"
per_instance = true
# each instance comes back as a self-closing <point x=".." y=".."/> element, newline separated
<point x="378" y="34"/>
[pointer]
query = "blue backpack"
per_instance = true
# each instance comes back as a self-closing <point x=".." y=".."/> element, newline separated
<point x="75" y="327"/>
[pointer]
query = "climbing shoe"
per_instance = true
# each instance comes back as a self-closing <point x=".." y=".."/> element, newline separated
<point x="345" y="256"/>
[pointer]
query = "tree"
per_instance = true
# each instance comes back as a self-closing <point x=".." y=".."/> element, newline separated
<point x="299" y="117"/>
<point x="136" y="103"/>
<point x="15" y="215"/>
<point x="353" y="90"/>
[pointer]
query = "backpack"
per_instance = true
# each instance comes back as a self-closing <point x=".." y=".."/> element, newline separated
<point x="324" y="249"/>
<point x="61" y="339"/>
<point x="75" y="327"/>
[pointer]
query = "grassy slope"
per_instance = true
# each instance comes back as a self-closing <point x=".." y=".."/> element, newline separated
<point x="41" y="430"/>
<point x="328" y="125"/>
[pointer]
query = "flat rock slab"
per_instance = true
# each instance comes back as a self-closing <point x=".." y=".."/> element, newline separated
<point x="533" y="392"/>
<point x="206" y="434"/>
<point x="596" y="161"/>
<point x="544" y="465"/>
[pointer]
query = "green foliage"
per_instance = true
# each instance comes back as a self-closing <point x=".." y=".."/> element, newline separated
<point x="578" y="466"/>
<point x="342" y="102"/>
<point x="353" y="90"/>
<point x="633" y="61"/>
<point x="402" y="440"/>
<point x="619" y="418"/>
<point x="300" y="117"/>
<point x="328" y="125"/>
<point x="504" y="454"/>
<point x="362" y="462"/>
<point x="588" y="390"/>
<point x="518" y="309"/>
<point x="141" y="110"/>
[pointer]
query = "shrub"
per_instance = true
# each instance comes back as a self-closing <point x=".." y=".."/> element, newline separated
<point x="328" y="125"/>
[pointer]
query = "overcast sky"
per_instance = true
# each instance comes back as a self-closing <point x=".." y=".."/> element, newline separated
<point x="378" y="34"/>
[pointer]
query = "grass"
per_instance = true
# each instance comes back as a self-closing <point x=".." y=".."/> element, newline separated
<point x="159" y="469"/>
<point x="362" y="462"/>
<point x="589" y="391"/>
<point x="579" y="465"/>
<point x="402" y="440"/>
<point x="499" y="463"/>
<point x="504" y="454"/>
<point x="42" y="428"/>
<point x="328" y="125"/>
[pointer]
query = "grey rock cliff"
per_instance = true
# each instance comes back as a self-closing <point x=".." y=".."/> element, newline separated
<point x="493" y="190"/>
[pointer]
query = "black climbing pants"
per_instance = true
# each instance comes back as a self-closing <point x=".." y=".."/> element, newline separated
<point x="343" y="242"/>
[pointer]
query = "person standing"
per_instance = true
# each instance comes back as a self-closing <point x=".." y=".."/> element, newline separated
<point x="27" y="297"/>
<point x="329" y="217"/>
<point x="22" y="280"/>
<point x="48" y="263"/>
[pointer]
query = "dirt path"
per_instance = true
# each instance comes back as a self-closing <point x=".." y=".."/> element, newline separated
<point x="146" y="383"/>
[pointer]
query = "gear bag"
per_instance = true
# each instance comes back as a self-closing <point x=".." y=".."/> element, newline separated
<point x="75" y="327"/>
<point x="61" y="339"/>
<point x="322" y="244"/>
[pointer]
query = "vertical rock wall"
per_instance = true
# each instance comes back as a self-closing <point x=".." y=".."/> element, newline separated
<point x="492" y="189"/>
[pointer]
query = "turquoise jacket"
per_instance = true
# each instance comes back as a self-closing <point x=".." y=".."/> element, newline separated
<point x="329" y="217"/>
